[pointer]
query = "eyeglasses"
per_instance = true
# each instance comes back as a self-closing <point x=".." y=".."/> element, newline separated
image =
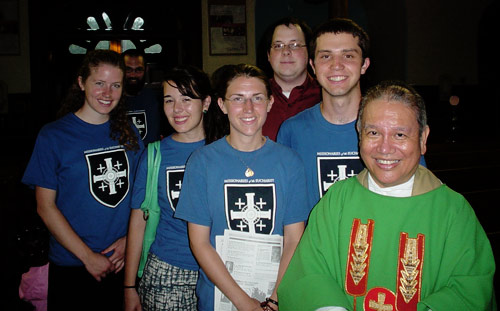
<point x="240" y="100"/>
<point x="292" y="46"/>
<point x="137" y="70"/>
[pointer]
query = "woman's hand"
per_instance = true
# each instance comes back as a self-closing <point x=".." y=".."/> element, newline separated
<point x="118" y="256"/>
<point x="132" y="301"/>
<point x="98" y="265"/>
<point x="251" y="305"/>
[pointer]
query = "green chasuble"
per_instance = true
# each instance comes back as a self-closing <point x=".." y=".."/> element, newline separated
<point x="365" y="251"/>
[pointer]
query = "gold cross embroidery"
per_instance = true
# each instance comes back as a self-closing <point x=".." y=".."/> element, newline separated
<point x="379" y="305"/>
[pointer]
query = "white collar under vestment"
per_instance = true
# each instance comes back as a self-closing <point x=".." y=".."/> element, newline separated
<point x="401" y="191"/>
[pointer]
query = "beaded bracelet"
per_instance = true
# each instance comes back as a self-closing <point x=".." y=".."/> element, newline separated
<point x="265" y="304"/>
<point x="272" y="301"/>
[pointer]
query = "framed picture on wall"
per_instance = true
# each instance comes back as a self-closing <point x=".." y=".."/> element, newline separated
<point x="9" y="27"/>
<point x="227" y="27"/>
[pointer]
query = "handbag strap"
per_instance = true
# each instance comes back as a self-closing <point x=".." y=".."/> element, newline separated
<point x="154" y="159"/>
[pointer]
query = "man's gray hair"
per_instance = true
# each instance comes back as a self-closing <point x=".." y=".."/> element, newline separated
<point x="395" y="91"/>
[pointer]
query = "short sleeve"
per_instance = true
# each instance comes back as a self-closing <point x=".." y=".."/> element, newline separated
<point x="139" y="189"/>
<point x="297" y="203"/>
<point x="284" y="134"/>
<point x="193" y="200"/>
<point x="43" y="164"/>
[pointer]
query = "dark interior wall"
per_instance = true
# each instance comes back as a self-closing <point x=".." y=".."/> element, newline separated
<point x="386" y="24"/>
<point x="55" y="24"/>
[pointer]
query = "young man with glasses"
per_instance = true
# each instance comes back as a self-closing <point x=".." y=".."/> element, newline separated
<point x="293" y="88"/>
<point x="144" y="104"/>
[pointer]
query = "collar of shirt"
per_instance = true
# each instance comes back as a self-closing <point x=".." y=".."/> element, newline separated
<point x="276" y="88"/>
<point x="401" y="191"/>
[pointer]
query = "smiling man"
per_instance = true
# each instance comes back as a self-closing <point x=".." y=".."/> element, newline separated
<point x="394" y="237"/>
<point x="325" y="134"/>
<point x="292" y="86"/>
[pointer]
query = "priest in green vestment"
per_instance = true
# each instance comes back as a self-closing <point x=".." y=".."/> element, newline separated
<point x="394" y="237"/>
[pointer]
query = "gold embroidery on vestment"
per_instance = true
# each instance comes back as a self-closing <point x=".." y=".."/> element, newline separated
<point x="380" y="305"/>
<point x="410" y="270"/>
<point x="360" y="245"/>
<point x="410" y="267"/>
<point x="358" y="258"/>
<point x="380" y="299"/>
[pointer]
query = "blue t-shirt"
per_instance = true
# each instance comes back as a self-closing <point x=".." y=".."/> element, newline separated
<point x="91" y="174"/>
<point x="329" y="151"/>
<point x="171" y="243"/>
<point x="144" y="111"/>
<point x="217" y="194"/>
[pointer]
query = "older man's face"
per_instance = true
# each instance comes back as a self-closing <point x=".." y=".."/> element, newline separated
<point x="390" y="144"/>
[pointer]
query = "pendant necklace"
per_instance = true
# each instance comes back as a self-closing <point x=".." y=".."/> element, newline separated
<point x="248" y="172"/>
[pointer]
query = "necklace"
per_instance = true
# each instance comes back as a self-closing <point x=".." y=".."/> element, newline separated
<point x="248" y="172"/>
